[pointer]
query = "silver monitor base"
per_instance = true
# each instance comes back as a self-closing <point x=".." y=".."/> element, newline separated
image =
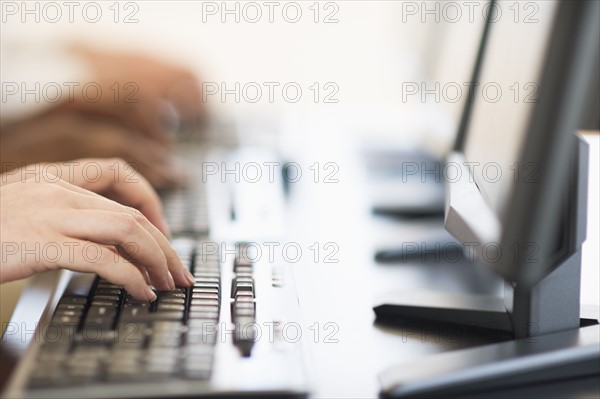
<point x="477" y="371"/>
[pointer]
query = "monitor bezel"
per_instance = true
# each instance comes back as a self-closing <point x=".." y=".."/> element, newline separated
<point x="550" y="143"/>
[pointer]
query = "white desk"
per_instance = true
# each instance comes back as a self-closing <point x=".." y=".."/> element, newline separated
<point x="342" y="293"/>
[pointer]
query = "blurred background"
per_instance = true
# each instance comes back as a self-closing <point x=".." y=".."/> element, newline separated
<point x="366" y="50"/>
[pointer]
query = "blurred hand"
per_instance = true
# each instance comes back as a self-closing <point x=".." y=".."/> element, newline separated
<point x="143" y="93"/>
<point x="86" y="233"/>
<point x="60" y="136"/>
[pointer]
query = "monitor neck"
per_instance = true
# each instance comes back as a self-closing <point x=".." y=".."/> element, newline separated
<point x="553" y="304"/>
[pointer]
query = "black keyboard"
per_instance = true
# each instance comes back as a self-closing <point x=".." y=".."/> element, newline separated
<point x="186" y="211"/>
<point x="217" y="338"/>
<point x="107" y="335"/>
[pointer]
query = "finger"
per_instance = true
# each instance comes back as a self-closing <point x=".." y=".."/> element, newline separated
<point x="122" y="183"/>
<point x="127" y="245"/>
<point x="90" y="257"/>
<point x="103" y="139"/>
<point x="122" y="230"/>
<point x="135" y="191"/>
<point x="142" y="198"/>
<point x="143" y="114"/>
<point x="153" y="160"/>
<point x="180" y="274"/>
<point x="141" y="269"/>
<point x="186" y="95"/>
<point x="155" y="210"/>
<point x="149" y="117"/>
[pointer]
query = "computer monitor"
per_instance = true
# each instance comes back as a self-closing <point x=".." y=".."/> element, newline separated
<point x="520" y="202"/>
<point x="516" y="194"/>
<point x="431" y="192"/>
<point x="517" y="201"/>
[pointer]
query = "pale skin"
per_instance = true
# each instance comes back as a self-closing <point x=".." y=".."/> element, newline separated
<point x="69" y="210"/>
<point x="143" y="100"/>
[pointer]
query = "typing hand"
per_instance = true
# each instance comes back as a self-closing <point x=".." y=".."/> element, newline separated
<point x="80" y="230"/>
<point x="61" y="136"/>
<point x="143" y="93"/>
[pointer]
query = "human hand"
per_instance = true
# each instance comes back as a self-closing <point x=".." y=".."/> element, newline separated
<point x="112" y="178"/>
<point x="81" y="231"/>
<point x="143" y="93"/>
<point x="61" y="136"/>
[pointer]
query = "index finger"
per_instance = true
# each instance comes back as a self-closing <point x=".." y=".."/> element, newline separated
<point x="120" y="182"/>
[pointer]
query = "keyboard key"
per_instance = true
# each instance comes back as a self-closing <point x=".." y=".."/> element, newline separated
<point x="204" y="302"/>
<point x="100" y="317"/>
<point x="194" y="351"/>
<point x="204" y="315"/>
<point x="109" y="286"/>
<point x="58" y="319"/>
<point x="133" y="313"/>
<point x="174" y="301"/>
<point x="141" y="314"/>
<point x="214" y="272"/>
<point x="206" y="285"/>
<point x="131" y="333"/>
<point x="246" y="270"/>
<point x="243" y="305"/>
<point x="207" y="279"/>
<point x="180" y="295"/>
<point x="169" y="306"/>
<point x="74" y="313"/>
<point x="239" y="284"/>
<point x="130" y="299"/>
<point x="205" y="291"/>
<point x="164" y="326"/>
<point x="166" y="315"/>
<point x="245" y="334"/>
<point x="126" y="372"/>
<point x="70" y="307"/>
<point x="199" y="368"/>
<point x="108" y="291"/>
<point x="244" y="296"/>
<point x="43" y="377"/>
<point x="242" y="260"/>
<point x="106" y="312"/>
<point x="71" y="300"/>
<point x="244" y="273"/>
<point x="240" y="313"/>
<point x="100" y="302"/>
<point x="204" y="297"/>
<point x="165" y="341"/>
<point x="162" y="355"/>
<point x="114" y="298"/>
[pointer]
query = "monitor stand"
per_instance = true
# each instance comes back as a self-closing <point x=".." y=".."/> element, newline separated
<point x="549" y="308"/>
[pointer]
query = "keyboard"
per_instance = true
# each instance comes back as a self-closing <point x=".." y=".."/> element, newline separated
<point x="223" y="336"/>
<point x="186" y="211"/>
<point x="108" y="335"/>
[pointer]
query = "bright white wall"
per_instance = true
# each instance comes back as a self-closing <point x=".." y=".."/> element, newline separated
<point x="372" y="49"/>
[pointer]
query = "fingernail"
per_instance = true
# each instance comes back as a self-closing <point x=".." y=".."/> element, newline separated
<point x="168" y="117"/>
<point x="171" y="281"/>
<point x="150" y="294"/>
<point x="190" y="277"/>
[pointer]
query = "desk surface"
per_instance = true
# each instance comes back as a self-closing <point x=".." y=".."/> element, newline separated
<point x="348" y="352"/>
<point x="338" y="288"/>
